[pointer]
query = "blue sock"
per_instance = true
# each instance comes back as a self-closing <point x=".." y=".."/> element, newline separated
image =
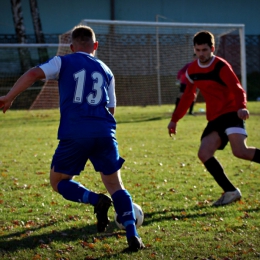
<point x="74" y="191"/>
<point x="124" y="208"/>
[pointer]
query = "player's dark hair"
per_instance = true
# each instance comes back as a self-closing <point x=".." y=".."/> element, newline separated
<point x="83" y="33"/>
<point x="204" y="37"/>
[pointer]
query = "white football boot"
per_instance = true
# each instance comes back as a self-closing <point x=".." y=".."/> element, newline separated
<point x="228" y="197"/>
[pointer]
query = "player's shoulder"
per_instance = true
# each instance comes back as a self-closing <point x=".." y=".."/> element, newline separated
<point x="221" y="60"/>
<point x="192" y="65"/>
<point x="66" y="57"/>
<point x="105" y="67"/>
<point x="222" y="63"/>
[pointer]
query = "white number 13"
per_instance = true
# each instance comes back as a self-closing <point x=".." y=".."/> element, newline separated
<point x="94" y="97"/>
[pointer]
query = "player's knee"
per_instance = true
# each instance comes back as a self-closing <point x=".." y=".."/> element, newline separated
<point x="202" y="155"/>
<point x="54" y="183"/>
<point x="241" y="154"/>
<point x="56" y="177"/>
<point x="112" y="182"/>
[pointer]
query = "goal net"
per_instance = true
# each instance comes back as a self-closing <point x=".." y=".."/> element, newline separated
<point x="15" y="60"/>
<point x="145" y="57"/>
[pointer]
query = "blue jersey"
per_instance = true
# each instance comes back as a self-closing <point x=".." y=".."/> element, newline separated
<point x="84" y="83"/>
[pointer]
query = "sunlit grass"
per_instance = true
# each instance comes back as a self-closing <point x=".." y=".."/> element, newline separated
<point x="163" y="175"/>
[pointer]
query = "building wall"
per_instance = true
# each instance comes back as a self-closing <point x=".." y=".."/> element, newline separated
<point x="59" y="16"/>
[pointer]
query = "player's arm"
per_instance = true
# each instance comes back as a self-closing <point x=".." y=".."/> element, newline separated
<point x="231" y="80"/>
<point x="187" y="98"/>
<point x="24" y="82"/>
<point x="112" y="110"/>
<point x="172" y="128"/>
<point x="112" y="97"/>
<point x="184" y="104"/>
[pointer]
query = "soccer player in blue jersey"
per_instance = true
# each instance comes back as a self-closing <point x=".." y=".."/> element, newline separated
<point x="86" y="131"/>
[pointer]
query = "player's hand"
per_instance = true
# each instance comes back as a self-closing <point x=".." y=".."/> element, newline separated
<point x="172" y="128"/>
<point x="5" y="104"/>
<point x="243" y="113"/>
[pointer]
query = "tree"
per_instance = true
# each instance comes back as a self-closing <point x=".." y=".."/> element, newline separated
<point x="25" y="59"/>
<point x="43" y="53"/>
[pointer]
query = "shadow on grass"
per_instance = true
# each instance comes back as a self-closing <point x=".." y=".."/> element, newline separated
<point x="27" y="240"/>
<point x="139" y="120"/>
<point x="145" y="118"/>
<point x="190" y="213"/>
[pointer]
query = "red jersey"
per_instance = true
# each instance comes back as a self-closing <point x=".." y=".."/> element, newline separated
<point x="218" y="85"/>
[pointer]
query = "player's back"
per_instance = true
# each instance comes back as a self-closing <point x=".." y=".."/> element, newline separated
<point x="83" y="87"/>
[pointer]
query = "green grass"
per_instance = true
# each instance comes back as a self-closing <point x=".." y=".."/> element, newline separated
<point x="164" y="176"/>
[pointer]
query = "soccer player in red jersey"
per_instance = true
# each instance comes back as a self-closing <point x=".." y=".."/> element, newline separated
<point x="226" y="112"/>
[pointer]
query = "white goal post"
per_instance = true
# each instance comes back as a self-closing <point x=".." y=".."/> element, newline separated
<point x="144" y="57"/>
<point x="190" y="29"/>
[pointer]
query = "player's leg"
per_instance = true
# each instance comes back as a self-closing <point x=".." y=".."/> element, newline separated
<point x="209" y="144"/>
<point x="192" y="104"/>
<point x="75" y="191"/>
<point x="191" y="108"/>
<point x="124" y="208"/>
<point x="108" y="162"/>
<point x="256" y="157"/>
<point x="69" y="160"/>
<point x="237" y="135"/>
<point x="71" y="189"/>
<point x="241" y="150"/>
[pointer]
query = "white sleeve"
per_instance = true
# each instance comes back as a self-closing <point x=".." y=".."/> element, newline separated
<point x="51" y="68"/>
<point x="111" y="93"/>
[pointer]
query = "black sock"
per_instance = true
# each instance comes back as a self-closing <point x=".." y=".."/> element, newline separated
<point x="256" y="157"/>
<point x="216" y="170"/>
<point x="191" y="108"/>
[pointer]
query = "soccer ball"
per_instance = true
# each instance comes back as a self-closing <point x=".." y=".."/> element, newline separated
<point x="139" y="216"/>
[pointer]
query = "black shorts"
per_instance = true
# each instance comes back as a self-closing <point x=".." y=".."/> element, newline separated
<point x="225" y="125"/>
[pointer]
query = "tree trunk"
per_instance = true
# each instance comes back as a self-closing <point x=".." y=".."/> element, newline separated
<point x="24" y="54"/>
<point x="43" y="52"/>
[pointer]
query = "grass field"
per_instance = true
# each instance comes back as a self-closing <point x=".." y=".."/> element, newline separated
<point x="163" y="175"/>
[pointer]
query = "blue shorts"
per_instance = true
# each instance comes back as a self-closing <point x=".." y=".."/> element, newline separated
<point x="224" y="125"/>
<point x="72" y="155"/>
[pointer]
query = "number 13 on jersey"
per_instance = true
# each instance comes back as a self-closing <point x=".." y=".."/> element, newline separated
<point x="95" y="96"/>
